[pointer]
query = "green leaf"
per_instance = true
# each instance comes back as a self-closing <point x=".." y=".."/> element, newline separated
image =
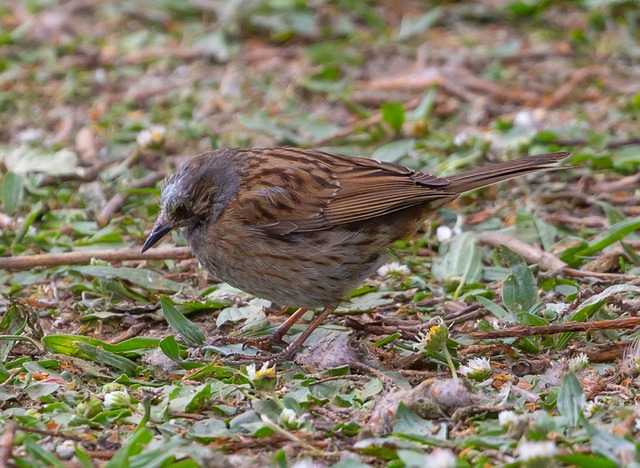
<point x="65" y="344"/>
<point x="409" y="423"/>
<point x="39" y="453"/>
<point x="144" y="278"/>
<point x="460" y="260"/>
<point x="209" y="429"/>
<point x="519" y="290"/>
<point x="571" y="399"/>
<point x="575" y="253"/>
<point x="172" y="350"/>
<point x="137" y="441"/>
<point x="613" y="234"/>
<point x="496" y="310"/>
<point x="113" y="360"/>
<point x="12" y="192"/>
<point x="393" y="115"/>
<point x="88" y="348"/>
<point x="189" y="332"/>
<point x="38" y="209"/>
<point x="394" y="151"/>
<point x="418" y="26"/>
<point x="581" y="460"/>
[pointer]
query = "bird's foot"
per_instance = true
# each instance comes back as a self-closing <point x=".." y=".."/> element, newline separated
<point x="272" y="358"/>
<point x="265" y="343"/>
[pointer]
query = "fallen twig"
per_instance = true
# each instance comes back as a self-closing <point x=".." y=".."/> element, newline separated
<point x="605" y="352"/>
<point x="25" y="262"/>
<point x="118" y="199"/>
<point x="531" y="253"/>
<point x="594" y="274"/>
<point x="353" y="128"/>
<point x="526" y="330"/>
<point x="564" y="92"/>
<point x="610" y="145"/>
<point x="47" y="432"/>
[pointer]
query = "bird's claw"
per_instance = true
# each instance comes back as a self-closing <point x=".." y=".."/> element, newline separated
<point x="271" y="358"/>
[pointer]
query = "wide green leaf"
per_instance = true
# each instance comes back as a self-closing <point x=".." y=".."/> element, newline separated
<point x="189" y="332"/>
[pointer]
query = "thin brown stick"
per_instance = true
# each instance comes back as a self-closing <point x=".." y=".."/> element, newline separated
<point x="351" y="129"/>
<point x="524" y="331"/>
<point x="500" y="91"/>
<point x="594" y="274"/>
<point x="531" y="253"/>
<point x="611" y="145"/>
<point x="577" y="78"/>
<point x="6" y="443"/>
<point x="47" y="432"/>
<point x="606" y="352"/>
<point x="85" y="256"/>
<point x="119" y="198"/>
<point x="101" y="454"/>
<point x="626" y="183"/>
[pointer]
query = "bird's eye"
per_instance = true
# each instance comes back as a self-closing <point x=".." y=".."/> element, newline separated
<point x="181" y="210"/>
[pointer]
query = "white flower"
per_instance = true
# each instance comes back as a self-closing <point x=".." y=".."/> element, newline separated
<point x="507" y="418"/>
<point x="265" y="372"/>
<point x="30" y="135"/>
<point x="393" y="269"/>
<point x="119" y="399"/>
<point x="476" y="368"/>
<point x="578" y="362"/>
<point x="289" y="418"/>
<point x="153" y="137"/>
<point x="461" y="138"/>
<point x="434" y="338"/>
<point x="441" y="458"/>
<point x="523" y="119"/>
<point x="637" y="426"/>
<point x="306" y="463"/>
<point x="444" y="233"/>
<point x="66" y="450"/>
<point x="588" y="409"/>
<point x="530" y="450"/>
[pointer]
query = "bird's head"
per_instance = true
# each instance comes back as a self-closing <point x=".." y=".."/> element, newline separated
<point x="187" y="200"/>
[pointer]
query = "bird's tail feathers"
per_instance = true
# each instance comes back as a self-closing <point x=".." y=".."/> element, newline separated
<point x="494" y="173"/>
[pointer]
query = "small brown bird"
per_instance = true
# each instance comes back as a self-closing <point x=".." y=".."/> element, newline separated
<point x="301" y="227"/>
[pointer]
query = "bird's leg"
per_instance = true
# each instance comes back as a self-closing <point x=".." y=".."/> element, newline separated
<point x="290" y="351"/>
<point x="275" y="338"/>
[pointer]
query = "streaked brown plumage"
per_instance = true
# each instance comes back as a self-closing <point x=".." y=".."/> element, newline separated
<point x="302" y="227"/>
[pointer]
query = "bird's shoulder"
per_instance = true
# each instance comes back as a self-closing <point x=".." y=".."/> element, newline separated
<point x="284" y="190"/>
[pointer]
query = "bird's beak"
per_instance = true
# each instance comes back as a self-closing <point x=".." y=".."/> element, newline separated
<point x="160" y="229"/>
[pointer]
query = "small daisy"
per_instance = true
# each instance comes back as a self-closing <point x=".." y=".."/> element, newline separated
<point x="441" y="458"/>
<point x="532" y="450"/>
<point x="445" y="233"/>
<point x="434" y="339"/>
<point x="476" y="368"/>
<point x="507" y="418"/>
<point x="289" y="418"/>
<point x="265" y="372"/>
<point x="578" y="362"/>
<point x="393" y="269"/>
<point x="153" y="137"/>
<point x="588" y="409"/>
<point x="118" y="399"/>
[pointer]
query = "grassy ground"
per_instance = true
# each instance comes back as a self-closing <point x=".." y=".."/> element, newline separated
<point x="99" y="366"/>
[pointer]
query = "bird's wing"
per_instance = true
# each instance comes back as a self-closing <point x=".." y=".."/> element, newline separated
<point x="294" y="190"/>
